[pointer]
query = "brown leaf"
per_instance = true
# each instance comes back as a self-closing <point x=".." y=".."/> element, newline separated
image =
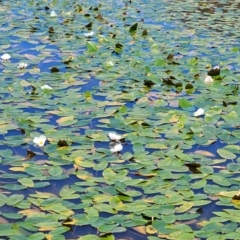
<point x="204" y="153"/>
<point x="228" y="193"/>
<point x="89" y="26"/>
<point x="30" y="155"/>
<point x="54" y="69"/>
<point x="140" y="229"/>
<point x="193" y="167"/>
<point x="41" y="162"/>
<point x="146" y="175"/>
<point x="78" y="160"/>
<point x="62" y="143"/>
<point x="29" y="212"/>
<point x="48" y="236"/>
<point x="236" y="197"/>
<point x="17" y="169"/>
<point x="3" y="220"/>
<point x="220" y="167"/>
<point x="144" y="33"/>
<point x="99" y="17"/>
<point x="69" y="222"/>
<point x="150" y="229"/>
<point x="184" y="207"/>
<point x="173" y="103"/>
<point x="51" y="30"/>
<point x="170" y="57"/>
<point x="65" y="119"/>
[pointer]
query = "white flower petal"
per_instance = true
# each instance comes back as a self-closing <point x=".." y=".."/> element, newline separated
<point x="5" y="56"/>
<point x="89" y="34"/>
<point x="46" y="87"/>
<point x="22" y="65"/>
<point x="114" y="136"/>
<point x="208" y="79"/>
<point x="40" y="141"/>
<point x="199" y="112"/>
<point x="53" y="14"/>
<point x="116" y="148"/>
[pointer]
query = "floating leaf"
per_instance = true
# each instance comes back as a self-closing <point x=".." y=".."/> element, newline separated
<point x="92" y="47"/>
<point x="206" y="169"/>
<point x="185" y="104"/>
<point x="226" y="154"/>
<point x="29" y="56"/>
<point x="204" y="153"/>
<point x="3" y="199"/>
<point x="145" y="32"/>
<point x="133" y="28"/>
<point x="159" y="225"/>
<point x="66" y="121"/>
<point x="30" y="155"/>
<point x="185" y="207"/>
<point x="233" y="167"/>
<point x="8" y="232"/>
<point x="150" y="229"/>
<point x="109" y="173"/>
<point x="55" y="171"/>
<point x="107" y="228"/>
<point x="89" y="237"/>
<point x="26" y="182"/>
<point x="141" y="229"/>
<point x="14" y="199"/>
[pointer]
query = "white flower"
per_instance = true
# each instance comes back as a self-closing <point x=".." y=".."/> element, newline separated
<point x="116" y="148"/>
<point x="53" y="14"/>
<point x="109" y="63"/>
<point x="6" y="57"/>
<point x="40" y="140"/>
<point x="114" y="136"/>
<point x="22" y="65"/>
<point x="88" y="34"/>
<point x="199" y="112"/>
<point x="46" y="87"/>
<point x="208" y="79"/>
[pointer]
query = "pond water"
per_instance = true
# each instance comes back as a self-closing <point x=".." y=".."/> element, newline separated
<point x="135" y="68"/>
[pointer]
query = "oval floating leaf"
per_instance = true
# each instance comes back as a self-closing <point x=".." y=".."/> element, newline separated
<point x="55" y="171"/>
<point x="204" y="153"/>
<point x="28" y="182"/>
<point x="14" y="199"/>
<point x="185" y="207"/>
<point x="226" y="154"/>
<point x="66" y="121"/>
<point x="185" y="104"/>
